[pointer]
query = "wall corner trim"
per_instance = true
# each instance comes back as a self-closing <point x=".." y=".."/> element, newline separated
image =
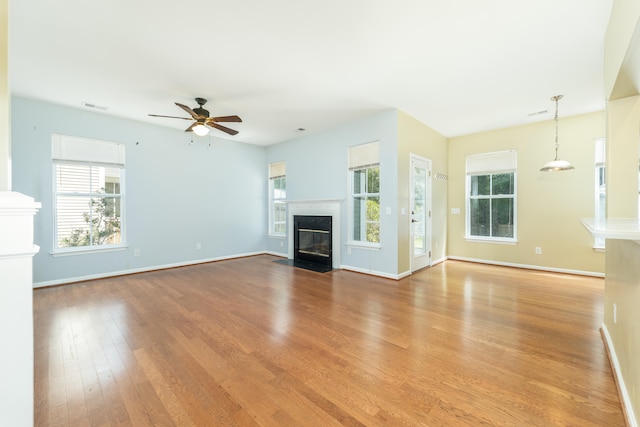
<point x="627" y="408"/>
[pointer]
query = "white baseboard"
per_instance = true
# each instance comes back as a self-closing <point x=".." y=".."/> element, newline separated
<point x="403" y="275"/>
<point x="281" y="255"/>
<point x="387" y="275"/>
<point x="622" y="389"/>
<point x="140" y="270"/>
<point x="528" y="266"/>
<point x="345" y="267"/>
<point x="438" y="261"/>
<point x="374" y="272"/>
<point x="195" y="262"/>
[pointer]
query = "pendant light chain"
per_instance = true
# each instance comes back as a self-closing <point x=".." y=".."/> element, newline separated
<point x="557" y="164"/>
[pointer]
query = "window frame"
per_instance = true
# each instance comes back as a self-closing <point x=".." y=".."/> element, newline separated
<point x="364" y="157"/>
<point x="498" y="163"/>
<point x="277" y="200"/>
<point x="70" y="151"/>
<point x="366" y="196"/>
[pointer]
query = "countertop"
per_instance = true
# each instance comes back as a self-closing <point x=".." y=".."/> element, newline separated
<point x="614" y="228"/>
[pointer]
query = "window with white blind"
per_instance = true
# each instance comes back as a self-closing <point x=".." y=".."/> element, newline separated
<point x="88" y="193"/>
<point x="600" y="189"/>
<point x="491" y="196"/>
<point x="364" y="172"/>
<point x="277" y="199"/>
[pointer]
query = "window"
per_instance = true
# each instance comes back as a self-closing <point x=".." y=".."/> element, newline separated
<point x="491" y="196"/>
<point x="365" y="192"/>
<point x="88" y="193"/>
<point x="277" y="197"/>
<point x="600" y="189"/>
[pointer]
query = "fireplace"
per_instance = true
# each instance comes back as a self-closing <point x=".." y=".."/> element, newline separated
<point x="325" y="216"/>
<point x="312" y="239"/>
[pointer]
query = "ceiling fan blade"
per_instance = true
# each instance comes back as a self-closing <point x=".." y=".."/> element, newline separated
<point x="225" y="119"/>
<point x="190" y="128"/>
<point x="171" y="117"/>
<point x="188" y="110"/>
<point x="223" y="128"/>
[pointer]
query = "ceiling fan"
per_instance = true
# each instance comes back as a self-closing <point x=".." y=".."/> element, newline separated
<point x="202" y="120"/>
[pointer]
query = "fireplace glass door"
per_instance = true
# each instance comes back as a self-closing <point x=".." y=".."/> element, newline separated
<point x="312" y="238"/>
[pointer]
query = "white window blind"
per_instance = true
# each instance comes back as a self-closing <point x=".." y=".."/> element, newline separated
<point x="600" y="152"/>
<point x="277" y="170"/>
<point x="364" y="155"/>
<point x="488" y="163"/>
<point x="75" y="149"/>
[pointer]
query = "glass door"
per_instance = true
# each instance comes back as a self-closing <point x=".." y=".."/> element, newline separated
<point x="420" y="209"/>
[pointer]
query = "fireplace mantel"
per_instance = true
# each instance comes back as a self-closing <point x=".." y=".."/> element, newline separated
<point x="328" y="207"/>
<point x="290" y="202"/>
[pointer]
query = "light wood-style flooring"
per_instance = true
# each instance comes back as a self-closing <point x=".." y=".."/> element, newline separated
<point x="250" y="342"/>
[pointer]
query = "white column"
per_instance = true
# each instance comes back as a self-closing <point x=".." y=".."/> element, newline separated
<point x="16" y="308"/>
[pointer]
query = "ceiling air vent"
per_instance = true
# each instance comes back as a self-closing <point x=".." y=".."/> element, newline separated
<point x="538" y="113"/>
<point x="94" y="106"/>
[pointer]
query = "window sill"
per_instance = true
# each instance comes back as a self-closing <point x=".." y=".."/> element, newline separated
<point x="488" y="240"/>
<point x="85" y="250"/>
<point x="276" y="236"/>
<point x="364" y="245"/>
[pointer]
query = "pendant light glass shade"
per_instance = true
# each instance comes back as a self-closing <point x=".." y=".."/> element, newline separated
<point x="557" y="164"/>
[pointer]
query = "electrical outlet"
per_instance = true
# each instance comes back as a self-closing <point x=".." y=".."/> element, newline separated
<point x="615" y="313"/>
<point x="281" y="243"/>
<point x="348" y="250"/>
<point x="198" y="246"/>
<point x="136" y="252"/>
<point x="538" y="250"/>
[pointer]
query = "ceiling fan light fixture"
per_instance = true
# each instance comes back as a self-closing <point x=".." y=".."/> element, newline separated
<point x="200" y="129"/>
<point x="202" y="121"/>
<point x="556" y="164"/>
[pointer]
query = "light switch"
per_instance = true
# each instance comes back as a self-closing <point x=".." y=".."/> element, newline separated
<point x="455" y="211"/>
<point x="388" y="210"/>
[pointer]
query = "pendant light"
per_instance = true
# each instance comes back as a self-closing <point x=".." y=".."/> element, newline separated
<point x="556" y="164"/>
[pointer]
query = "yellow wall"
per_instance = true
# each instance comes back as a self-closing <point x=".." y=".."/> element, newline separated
<point x="622" y="31"/>
<point x="622" y="287"/>
<point x="623" y="290"/>
<point x="417" y="138"/>
<point x="550" y="205"/>
<point x="5" y="146"/>
<point x="623" y="125"/>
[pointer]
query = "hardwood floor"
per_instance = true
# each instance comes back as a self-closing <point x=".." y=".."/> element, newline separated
<point x="250" y="342"/>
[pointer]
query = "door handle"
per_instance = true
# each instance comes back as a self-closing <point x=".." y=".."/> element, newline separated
<point x="414" y="220"/>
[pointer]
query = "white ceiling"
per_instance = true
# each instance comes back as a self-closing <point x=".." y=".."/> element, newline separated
<point x="458" y="66"/>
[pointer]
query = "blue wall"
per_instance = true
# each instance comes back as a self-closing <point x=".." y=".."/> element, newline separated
<point x="317" y="169"/>
<point x="212" y="191"/>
